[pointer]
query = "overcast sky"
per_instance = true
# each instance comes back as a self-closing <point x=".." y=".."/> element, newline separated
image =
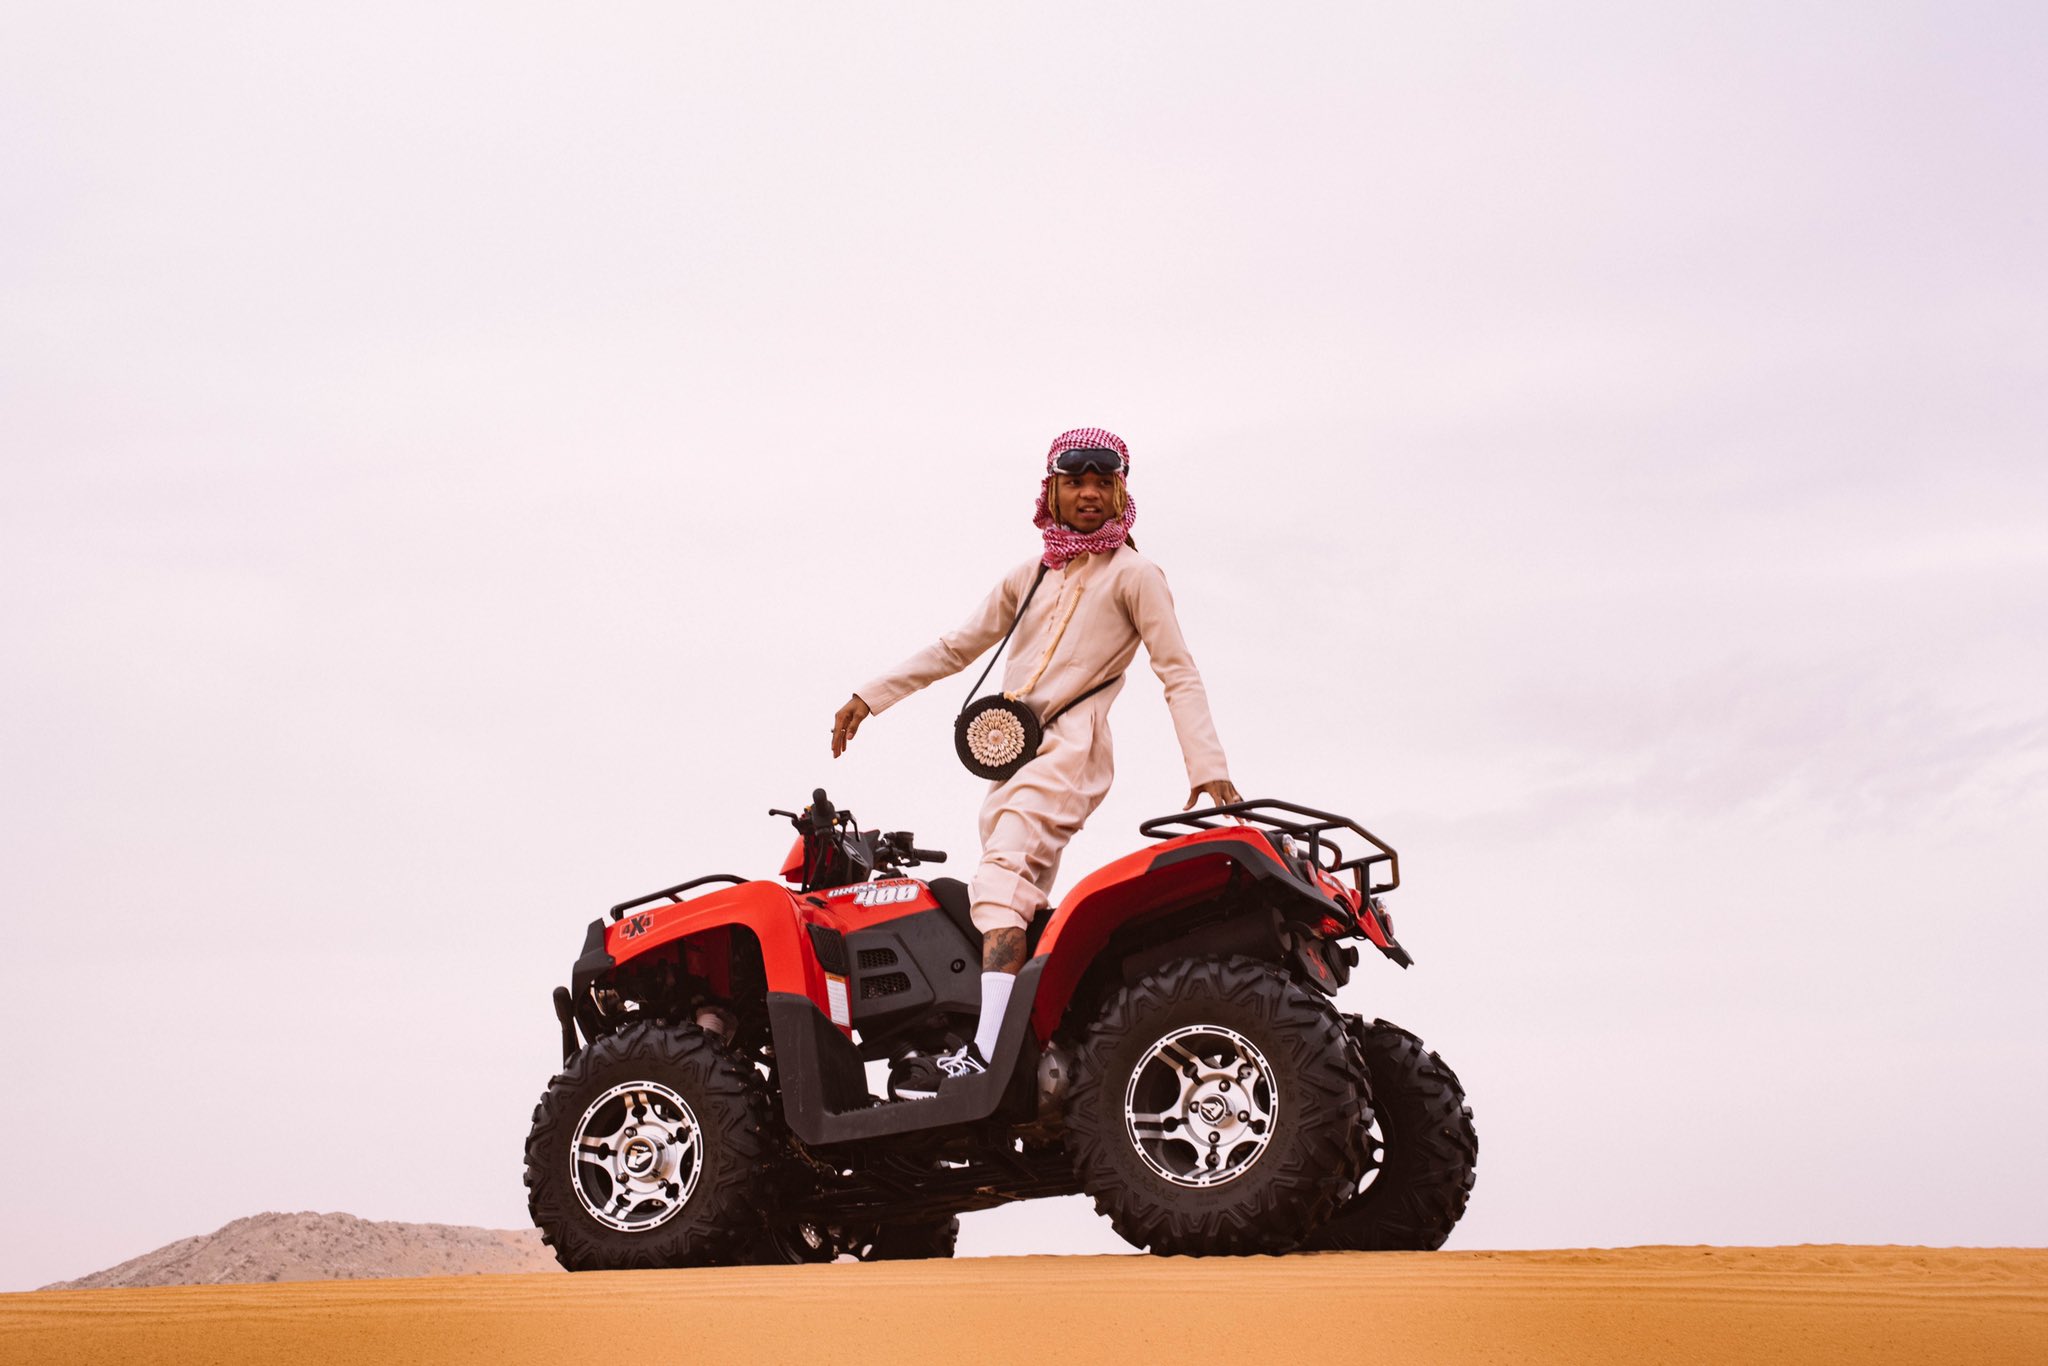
<point x="456" y="458"/>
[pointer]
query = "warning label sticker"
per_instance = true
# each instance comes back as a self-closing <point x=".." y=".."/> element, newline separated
<point x="835" y="999"/>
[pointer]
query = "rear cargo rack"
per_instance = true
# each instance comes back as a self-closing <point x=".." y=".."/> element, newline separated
<point x="1311" y="827"/>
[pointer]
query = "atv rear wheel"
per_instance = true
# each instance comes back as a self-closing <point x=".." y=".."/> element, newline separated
<point x="1423" y="1149"/>
<point x="1218" y="1108"/>
<point x="647" y="1151"/>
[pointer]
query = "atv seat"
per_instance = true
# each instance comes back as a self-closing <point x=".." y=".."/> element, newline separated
<point x="954" y="901"/>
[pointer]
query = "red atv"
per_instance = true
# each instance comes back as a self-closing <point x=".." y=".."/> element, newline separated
<point x="1170" y="1048"/>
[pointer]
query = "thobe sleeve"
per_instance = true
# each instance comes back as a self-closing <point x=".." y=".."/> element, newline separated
<point x="1151" y="607"/>
<point x="951" y="652"/>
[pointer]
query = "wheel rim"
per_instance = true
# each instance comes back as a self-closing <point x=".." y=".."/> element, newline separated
<point x="1200" y="1104"/>
<point x="636" y="1156"/>
<point x="1375" y="1154"/>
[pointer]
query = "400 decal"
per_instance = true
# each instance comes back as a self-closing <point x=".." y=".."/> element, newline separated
<point x="880" y="893"/>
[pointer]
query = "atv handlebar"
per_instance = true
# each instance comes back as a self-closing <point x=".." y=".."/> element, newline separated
<point x="837" y="852"/>
<point x="900" y="846"/>
<point x="823" y="815"/>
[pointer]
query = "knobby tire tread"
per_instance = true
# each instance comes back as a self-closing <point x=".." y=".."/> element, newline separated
<point x="731" y="1104"/>
<point x="1304" y="1174"/>
<point x="1431" y="1149"/>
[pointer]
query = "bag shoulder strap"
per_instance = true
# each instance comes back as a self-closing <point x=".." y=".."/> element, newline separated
<point x="1062" y="711"/>
<point x="1006" y="638"/>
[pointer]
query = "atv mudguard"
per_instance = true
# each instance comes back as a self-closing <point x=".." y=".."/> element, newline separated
<point x="1165" y="878"/>
<point x="779" y="920"/>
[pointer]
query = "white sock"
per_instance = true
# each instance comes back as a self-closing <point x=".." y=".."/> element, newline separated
<point x="995" y="1001"/>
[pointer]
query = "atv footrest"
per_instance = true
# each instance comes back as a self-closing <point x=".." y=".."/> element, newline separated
<point x="824" y="1088"/>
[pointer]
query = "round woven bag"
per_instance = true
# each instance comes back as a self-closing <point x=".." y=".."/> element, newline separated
<point x="996" y="736"/>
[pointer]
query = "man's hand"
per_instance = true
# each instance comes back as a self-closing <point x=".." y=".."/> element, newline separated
<point x="846" y="721"/>
<point x="1222" y="793"/>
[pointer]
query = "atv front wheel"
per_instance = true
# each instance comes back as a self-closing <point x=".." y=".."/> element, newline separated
<point x="648" y="1151"/>
<point x="1422" y="1149"/>
<point x="1218" y="1108"/>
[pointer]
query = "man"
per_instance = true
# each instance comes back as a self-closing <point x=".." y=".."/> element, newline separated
<point x="1099" y="601"/>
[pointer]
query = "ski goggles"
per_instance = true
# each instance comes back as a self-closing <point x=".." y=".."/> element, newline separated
<point x="1088" y="460"/>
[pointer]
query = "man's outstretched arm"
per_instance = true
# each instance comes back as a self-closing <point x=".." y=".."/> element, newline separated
<point x="948" y="655"/>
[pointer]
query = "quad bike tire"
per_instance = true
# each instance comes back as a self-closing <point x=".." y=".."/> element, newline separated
<point x="1140" y="1124"/>
<point x="1423" y="1158"/>
<point x="670" y="1139"/>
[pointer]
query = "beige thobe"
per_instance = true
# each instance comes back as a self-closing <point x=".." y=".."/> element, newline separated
<point x="1084" y="625"/>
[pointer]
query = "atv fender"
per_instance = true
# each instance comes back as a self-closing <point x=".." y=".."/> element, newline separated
<point x="1155" y="882"/>
<point x="803" y="952"/>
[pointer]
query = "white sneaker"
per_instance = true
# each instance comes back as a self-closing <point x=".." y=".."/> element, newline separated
<point x="920" y="1077"/>
<point x="964" y="1062"/>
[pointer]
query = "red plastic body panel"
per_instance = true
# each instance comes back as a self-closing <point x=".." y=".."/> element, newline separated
<point x="867" y="904"/>
<point x="1125" y="891"/>
<point x="1351" y="897"/>
<point x="774" y="916"/>
<point x="777" y="917"/>
<point x="1113" y="896"/>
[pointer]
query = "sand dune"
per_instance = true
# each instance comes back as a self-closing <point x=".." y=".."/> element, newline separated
<point x="324" y="1247"/>
<point x="1803" y="1305"/>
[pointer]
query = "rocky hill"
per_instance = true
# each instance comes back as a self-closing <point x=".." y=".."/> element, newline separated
<point x="325" y="1247"/>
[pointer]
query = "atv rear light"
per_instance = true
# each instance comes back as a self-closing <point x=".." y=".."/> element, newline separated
<point x="1291" y="851"/>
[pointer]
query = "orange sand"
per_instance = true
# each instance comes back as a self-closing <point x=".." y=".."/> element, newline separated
<point x="1662" y="1304"/>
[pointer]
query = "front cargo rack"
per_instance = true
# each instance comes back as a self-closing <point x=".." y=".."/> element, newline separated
<point x="674" y="893"/>
<point x="1306" y="824"/>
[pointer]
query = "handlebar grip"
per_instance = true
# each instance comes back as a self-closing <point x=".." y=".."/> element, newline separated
<point x="929" y="855"/>
<point x="823" y="817"/>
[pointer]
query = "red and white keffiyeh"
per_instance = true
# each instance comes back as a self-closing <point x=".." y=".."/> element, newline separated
<point x="1062" y="542"/>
